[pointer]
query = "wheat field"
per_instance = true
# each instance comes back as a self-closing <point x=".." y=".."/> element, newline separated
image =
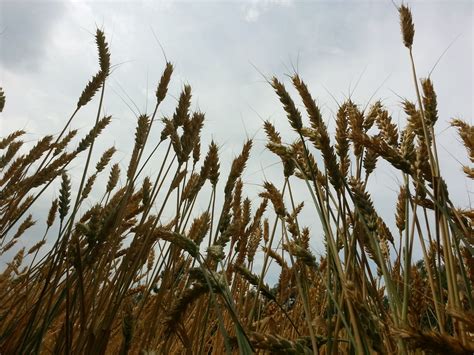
<point x="118" y="275"/>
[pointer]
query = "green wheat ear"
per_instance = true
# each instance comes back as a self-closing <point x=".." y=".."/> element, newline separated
<point x="2" y="99"/>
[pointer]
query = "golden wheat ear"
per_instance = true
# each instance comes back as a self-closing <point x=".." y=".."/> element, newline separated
<point x="98" y="79"/>
<point x="162" y="88"/>
<point x="407" y="26"/>
<point x="294" y="115"/>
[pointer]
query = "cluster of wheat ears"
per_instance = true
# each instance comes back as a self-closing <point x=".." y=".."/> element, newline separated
<point x="120" y="278"/>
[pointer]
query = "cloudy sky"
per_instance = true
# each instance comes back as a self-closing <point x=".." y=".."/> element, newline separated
<point x="224" y="49"/>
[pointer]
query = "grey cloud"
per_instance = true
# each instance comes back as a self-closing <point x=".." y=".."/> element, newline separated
<point x="25" y="28"/>
<point x="214" y="49"/>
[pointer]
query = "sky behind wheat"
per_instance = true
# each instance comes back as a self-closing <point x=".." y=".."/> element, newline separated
<point x="225" y="50"/>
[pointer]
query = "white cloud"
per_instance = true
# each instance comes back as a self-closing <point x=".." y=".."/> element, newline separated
<point x="253" y="9"/>
<point x="252" y="14"/>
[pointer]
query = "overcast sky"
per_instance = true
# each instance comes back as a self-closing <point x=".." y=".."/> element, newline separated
<point x="340" y="48"/>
